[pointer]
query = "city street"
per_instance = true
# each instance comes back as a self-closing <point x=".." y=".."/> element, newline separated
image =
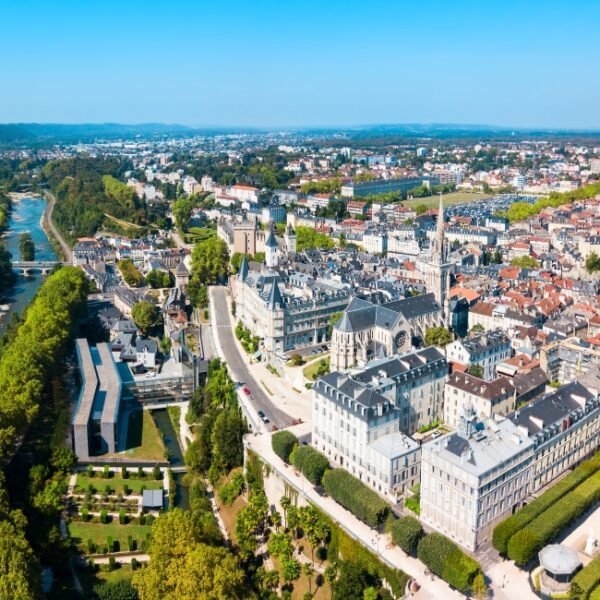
<point x="226" y="346"/>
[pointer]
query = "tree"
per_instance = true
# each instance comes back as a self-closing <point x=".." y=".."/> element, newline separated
<point x="477" y="329"/>
<point x="311" y="462"/>
<point x="437" y="336"/>
<point x="308" y="238"/>
<point x="7" y="276"/>
<point x="296" y="360"/>
<point x="525" y="262"/>
<point x="26" y="247"/>
<point x="290" y="569"/>
<point x="283" y="443"/>
<point x="479" y="588"/>
<point x="280" y="545"/>
<point x="352" y="581"/>
<point x="19" y="570"/>
<point x="421" y="209"/>
<point x="115" y="590"/>
<point x="145" y="315"/>
<point x="592" y="263"/>
<point x="210" y="262"/>
<point x="159" y="279"/>
<point x="131" y="274"/>
<point x="476" y="371"/>
<point x="332" y="322"/>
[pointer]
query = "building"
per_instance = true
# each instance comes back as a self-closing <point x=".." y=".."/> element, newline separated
<point x="287" y="311"/>
<point x="487" y="398"/>
<point x="386" y="186"/>
<point x="244" y="193"/>
<point x="436" y="268"/>
<point x="367" y="330"/>
<point x="375" y="242"/>
<point x="568" y="359"/>
<point x="362" y="421"/>
<point x="474" y="478"/>
<point x="486" y="350"/>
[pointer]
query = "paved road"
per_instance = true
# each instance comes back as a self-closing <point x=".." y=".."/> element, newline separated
<point x="66" y="249"/>
<point x="222" y="327"/>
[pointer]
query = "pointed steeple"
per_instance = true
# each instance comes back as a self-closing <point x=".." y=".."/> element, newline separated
<point x="271" y="241"/>
<point x="243" y="273"/>
<point x="275" y="297"/>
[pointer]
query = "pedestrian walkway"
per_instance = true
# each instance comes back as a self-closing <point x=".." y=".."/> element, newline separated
<point x="379" y="544"/>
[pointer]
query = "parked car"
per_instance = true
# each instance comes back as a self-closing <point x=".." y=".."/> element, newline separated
<point x="436" y="434"/>
<point x="263" y="417"/>
<point x="246" y="391"/>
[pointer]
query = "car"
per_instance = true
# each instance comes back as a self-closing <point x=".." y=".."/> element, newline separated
<point x="246" y="391"/>
<point x="315" y="351"/>
<point x="263" y="417"/>
<point x="436" y="434"/>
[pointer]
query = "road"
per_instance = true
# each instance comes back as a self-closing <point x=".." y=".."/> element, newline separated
<point x="223" y="329"/>
<point x="48" y="223"/>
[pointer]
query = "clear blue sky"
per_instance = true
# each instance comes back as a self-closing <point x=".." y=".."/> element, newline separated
<point x="291" y="63"/>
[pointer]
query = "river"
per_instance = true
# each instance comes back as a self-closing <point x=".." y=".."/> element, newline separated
<point x="26" y="216"/>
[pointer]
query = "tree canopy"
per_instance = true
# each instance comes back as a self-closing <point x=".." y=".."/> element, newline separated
<point x="145" y="315"/>
<point x="437" y="336"/>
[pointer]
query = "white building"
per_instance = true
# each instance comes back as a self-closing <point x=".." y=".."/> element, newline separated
<point x="486" y="350"/>
<point x="244" y="193"/>
<point x="474" y="478"/>
<point x="375" y="242"/>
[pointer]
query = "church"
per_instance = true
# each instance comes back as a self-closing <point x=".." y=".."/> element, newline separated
<point x="370" y="331"/>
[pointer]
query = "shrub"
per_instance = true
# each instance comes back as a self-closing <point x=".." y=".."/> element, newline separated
<point x="122" y="517"/>
<point x="131" y="544"/>
<point x="283" y="443"/>
<point x="355" y="496"/>
<point x="156" y="473"/>
<point x="141" y="473"/>
<point x="142" y="519"/>
<point x="230" y="491"/>
<point x="134" y="563"/>
<point x="85" y="515"/>
<point x="107" y="489"/>
<point x="525" y="544"/>
<point x="586" y="580"/>
<point x="110" y="544"/>
<point x="406" y="533"/>
<point x="91" y="489"/>
<point x="124" y="473"/>
<point x="90" y="471"/>
<point x="91" y="546"/>
<point x="311" y="462"/>
<point x="149" y="519"/>
<point x="106" y="472"/>
<point x="103" y="516"/>
<point x="126" y="490"/>
<point x="444" y="558"/>
<point x="112" y="563"/>
<point x="507" y="528"/>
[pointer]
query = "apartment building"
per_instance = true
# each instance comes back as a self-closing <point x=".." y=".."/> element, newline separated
<point x="474" y="478"/>
<point x="487" y="398"/>
<point x="486" y="350"/>
<point x="362" y="422"/>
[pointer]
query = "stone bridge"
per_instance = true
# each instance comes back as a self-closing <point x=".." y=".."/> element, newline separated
<point x="36" y="266"/>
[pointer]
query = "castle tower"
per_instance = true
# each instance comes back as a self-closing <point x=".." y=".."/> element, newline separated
<point x="271" y="250"/>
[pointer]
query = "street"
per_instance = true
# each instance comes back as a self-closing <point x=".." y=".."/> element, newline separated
<point x="240" y="371"/>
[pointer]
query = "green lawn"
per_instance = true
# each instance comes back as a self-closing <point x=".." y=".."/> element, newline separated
<point x="97" y="532"/>
<point x="310" y="372"/>
<point x="143" y="438"/>
<point x="116" y="483"/>
<point x="124" y="572"/>
<point x="451" y="198"/>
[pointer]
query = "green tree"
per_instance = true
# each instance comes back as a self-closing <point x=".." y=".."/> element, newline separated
<point x="592" y="263"/>
<point x="115" y="590"/>
<point x="406" y="533"/>
<point x="7" y="276"/>
<point x="477" y="329"/>
<point x="131" y="274"/>
<point x="283" y="443"/>
<point x="159" y="279"/>
<point x="525" y="262"/>
<point x="145" y="315"/>
<point x="210" y="264"/>
<point x="479" y="588"/>
<point x="351" y="582"/>
<point x="475" y="370"/>
<point x="290" y="569"/>
<point x="280" y="545"/>
<point x="26" y="247"/>
<point x="437" y="336"/>
<point x="308" y="238"/>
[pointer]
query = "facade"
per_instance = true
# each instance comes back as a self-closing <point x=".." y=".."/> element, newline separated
<point x="287" y="311"/>
<point x="474" y="478"/>
<point x="367" y="331"/>
<point x="486" y="398"/>
<point x="486" y="350"/>
<point x="385" y="186"/>
<point x="362" y="422"/>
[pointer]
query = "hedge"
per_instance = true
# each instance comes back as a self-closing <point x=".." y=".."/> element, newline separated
<point x="355" y="496"/>
<point x="587" y="580"/>
<point x="595" y="595"/>
<point x="444" y="558"/>
<point x="507" y="528"/>
<point x="283" y="443"/>
<point x="525" y="544"/>
<point x="311" y="462"/>
<point x="406" y="533"/>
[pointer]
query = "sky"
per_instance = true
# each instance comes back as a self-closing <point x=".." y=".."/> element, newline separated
<point x="517" y="63"/>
